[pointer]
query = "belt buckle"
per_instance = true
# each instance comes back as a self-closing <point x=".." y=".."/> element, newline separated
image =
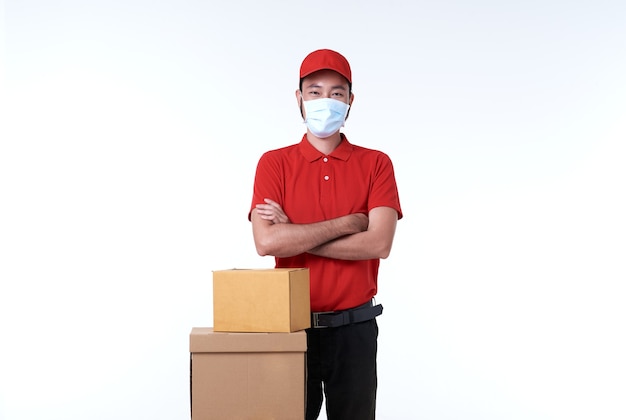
<point x="316" y="319"/>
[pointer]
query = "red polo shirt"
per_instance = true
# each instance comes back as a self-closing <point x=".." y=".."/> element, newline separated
<point x="312" y="187"/>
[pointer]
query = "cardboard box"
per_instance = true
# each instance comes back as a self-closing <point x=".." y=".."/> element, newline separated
<point x="265" y="300"/>
<point x="247" y="375"/>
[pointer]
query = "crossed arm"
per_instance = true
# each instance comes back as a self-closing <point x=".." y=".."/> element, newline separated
<point x="352" y="237"/>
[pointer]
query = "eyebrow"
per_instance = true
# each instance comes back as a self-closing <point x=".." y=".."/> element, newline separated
<point x="315" y="85"/>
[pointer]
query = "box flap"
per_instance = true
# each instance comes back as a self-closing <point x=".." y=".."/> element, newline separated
<point x="205" y="340"/>
<point x="262" y="270"/>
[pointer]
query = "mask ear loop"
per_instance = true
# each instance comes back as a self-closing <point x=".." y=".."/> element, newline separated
<point x="301" y="111"/>
<point x="349" y="105"/>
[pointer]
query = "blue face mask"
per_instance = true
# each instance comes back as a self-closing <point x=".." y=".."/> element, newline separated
<point x="324" y="117"/>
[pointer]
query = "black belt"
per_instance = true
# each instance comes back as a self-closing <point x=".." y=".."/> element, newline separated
<point x="333" y="319"/>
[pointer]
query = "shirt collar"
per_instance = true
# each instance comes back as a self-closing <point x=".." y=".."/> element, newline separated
<point x="310" y="153"/>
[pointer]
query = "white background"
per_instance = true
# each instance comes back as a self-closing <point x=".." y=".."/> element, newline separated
<point x="130" y="135"/>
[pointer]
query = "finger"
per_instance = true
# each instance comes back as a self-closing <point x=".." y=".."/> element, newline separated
<point x="273" y="203"/>
<point x="265" y="208"/>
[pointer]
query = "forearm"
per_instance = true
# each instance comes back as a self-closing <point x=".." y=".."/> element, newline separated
<point x="359" y="246"/>
<point x="373" y="243"/>
<point x="289" y="239"/>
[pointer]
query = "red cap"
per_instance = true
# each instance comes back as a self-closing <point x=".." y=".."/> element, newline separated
<point x="326" y="60"/>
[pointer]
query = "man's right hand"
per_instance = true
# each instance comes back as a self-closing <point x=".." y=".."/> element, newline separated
<point x="272" y="211"/>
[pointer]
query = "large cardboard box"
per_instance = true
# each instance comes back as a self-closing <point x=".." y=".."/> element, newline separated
<point x="263" y="300"/>
<point x="247" y="375"/>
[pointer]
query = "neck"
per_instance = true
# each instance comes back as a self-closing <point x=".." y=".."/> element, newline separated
<point x="327" y="145"/>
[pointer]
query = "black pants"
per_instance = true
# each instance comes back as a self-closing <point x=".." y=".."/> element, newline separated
<point x="341" y="363"/>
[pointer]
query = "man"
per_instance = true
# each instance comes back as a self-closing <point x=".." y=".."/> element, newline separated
<point x="331" y="206"/>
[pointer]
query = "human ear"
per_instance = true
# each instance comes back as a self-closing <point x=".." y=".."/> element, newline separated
<point x="350" y="103"/>
<point x="299" y="100"/>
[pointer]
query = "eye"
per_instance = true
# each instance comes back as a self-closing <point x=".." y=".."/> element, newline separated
<point x="314" y="92"/>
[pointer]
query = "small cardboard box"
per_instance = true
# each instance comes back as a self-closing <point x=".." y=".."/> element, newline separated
<point x="264" y="300"/>
<point x="247" y="375"/>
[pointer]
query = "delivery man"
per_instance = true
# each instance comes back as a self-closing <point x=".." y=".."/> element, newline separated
<point x="331" y="206"/>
